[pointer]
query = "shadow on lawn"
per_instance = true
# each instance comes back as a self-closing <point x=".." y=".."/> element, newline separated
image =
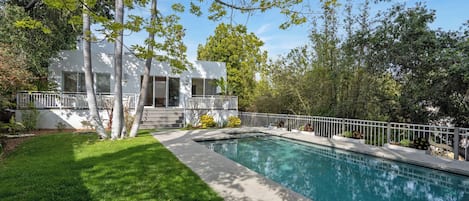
<point x="147" y="171"/>
<point x="37" y="171"/>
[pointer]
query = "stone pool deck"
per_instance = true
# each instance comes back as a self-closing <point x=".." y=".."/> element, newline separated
<point x="235" y="182"/>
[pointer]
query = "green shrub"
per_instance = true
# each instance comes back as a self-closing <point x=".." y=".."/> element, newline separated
<point x="30" y="117"/>
<point x="207" y="121"/>
<point x="61" y="126"/>
<point x="348" y="134"/>
<point x="421" y="143"/>
<point x="189" y="126"/>
<point x="13" y="127"/>
<point x="234" y="121"/>
<point x="405" y="143"/>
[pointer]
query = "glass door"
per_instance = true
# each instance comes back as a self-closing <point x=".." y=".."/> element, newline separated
<point x="160" y="92"/>
<point x="173" y="93"/>
<point x="149" y="98"/>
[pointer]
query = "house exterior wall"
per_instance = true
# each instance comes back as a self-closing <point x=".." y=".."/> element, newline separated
<point x="69" y="118"/>
<point x="102" y="62"/>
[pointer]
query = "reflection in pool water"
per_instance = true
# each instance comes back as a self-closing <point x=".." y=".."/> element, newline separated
<point x="323" y="173"/>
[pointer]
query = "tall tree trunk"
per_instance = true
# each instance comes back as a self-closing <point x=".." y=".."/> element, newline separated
<point x="146" y="75"/>
<point x="118" y="113"/>
<point x="90" y="94"/>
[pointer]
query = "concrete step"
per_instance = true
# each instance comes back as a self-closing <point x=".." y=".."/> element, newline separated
<point x="152" y="122"/>
<point x="150" y="115"/>
<point x="161" y="126"/>
<point x="160" y="118"/>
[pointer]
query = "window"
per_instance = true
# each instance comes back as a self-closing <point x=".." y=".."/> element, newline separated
<point x="210" y="87"/>
<point x="205" y="87"/>
<point x="103" y="83"/>
<point x="197" y="87"/>
<point x="75" y="82"/>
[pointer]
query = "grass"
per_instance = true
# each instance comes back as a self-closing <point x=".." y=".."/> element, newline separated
<point x="67" y="166"/>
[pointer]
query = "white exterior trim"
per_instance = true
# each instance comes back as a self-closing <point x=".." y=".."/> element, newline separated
<point x="102" y="62"/>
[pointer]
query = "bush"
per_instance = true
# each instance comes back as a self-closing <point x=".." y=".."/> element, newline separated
<point x="421" y="143"/>
<point x="405" y="143"/>
<point x="61" y="126"/>
<point x="13" y="127"/>
<point x="30" y="117"/>
<point x="234" y="121"/>
<point x="207" y="121"/>
<point x="348" y="134"/>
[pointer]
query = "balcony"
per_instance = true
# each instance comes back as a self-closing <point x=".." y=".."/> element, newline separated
<point x="214" y="102"/>
<point x="65" y="100"/>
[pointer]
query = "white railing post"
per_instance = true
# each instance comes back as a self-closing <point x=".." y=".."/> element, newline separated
<point x="343" y="125"/>
<point x="388" y="132"/>
<point x="18" y="101"/>
<point x="456" y="143"/>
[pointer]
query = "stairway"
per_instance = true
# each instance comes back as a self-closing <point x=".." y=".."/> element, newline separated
<point x="162" y="118"/>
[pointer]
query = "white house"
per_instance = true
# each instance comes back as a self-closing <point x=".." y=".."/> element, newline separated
<point x="192" y="89"/>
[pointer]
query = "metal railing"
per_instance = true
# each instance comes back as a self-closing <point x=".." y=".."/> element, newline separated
<point x="66" y="100"/>
<point x="212" y="103"/>
<point x="375" y="133"/>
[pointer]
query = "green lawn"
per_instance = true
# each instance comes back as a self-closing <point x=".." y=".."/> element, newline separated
<point x="80" y="167"/>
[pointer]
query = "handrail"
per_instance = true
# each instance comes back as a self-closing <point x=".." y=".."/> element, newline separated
<point x="375" y="133"/>
<point x="68" y="100"/>
<point x="211" y="103"/>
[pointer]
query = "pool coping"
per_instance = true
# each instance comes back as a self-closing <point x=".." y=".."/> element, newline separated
<point x="229" y="179"/>
<point x="236" y="182"/>
<point x="411" y="156"/>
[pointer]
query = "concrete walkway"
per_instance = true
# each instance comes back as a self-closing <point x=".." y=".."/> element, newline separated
<point x="231" y="180"/>
<point x="235" y="182"/>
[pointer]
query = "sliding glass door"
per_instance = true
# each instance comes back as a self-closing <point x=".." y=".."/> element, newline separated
<point x="162" y="92"/>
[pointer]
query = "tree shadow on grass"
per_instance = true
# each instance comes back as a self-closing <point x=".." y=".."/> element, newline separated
<point x="47" y="168"/>
<point x="38" y="171"/>
<point x="145" y="172"/>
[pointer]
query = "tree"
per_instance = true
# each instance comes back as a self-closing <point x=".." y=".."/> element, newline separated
<point x="90" y="91"/>
<point x="35" y="33"/>
<point x="243" y="57"/>
<point x="118" y="109"/>
<point x="14" y="76"/>
<point x="29" y="37"/>
<point x="171" y="34"/>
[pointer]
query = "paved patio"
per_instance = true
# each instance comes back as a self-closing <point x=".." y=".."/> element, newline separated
<point x="235" y="182"/>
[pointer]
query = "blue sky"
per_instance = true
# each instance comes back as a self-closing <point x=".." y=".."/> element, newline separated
<point x="450" y="15"/>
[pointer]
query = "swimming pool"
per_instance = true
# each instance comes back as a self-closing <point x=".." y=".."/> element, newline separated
<point x="327" y="174"/>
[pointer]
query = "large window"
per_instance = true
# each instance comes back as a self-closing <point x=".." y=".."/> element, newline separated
<point x="210" y="87"/>
<point x="197" y="87"/>
<point x="75" y="82"/>
<point x="205" y="87"/>
<point x="103" y="83"/>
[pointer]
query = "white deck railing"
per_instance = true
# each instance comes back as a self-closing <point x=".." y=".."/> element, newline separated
<point x="59" y="100"/>
<point x="212" y="103"/>
<point x="375" y="133"/>
<point x="63" y="100"/>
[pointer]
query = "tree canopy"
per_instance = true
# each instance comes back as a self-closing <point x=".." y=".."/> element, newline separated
<point x="241" y="51"/>
<point x="393" y="68"/>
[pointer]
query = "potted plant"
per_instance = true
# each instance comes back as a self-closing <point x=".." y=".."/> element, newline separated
<point x="350" y="136"/>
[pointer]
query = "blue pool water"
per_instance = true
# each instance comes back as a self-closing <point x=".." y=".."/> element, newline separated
<point x="327" y="174"/>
